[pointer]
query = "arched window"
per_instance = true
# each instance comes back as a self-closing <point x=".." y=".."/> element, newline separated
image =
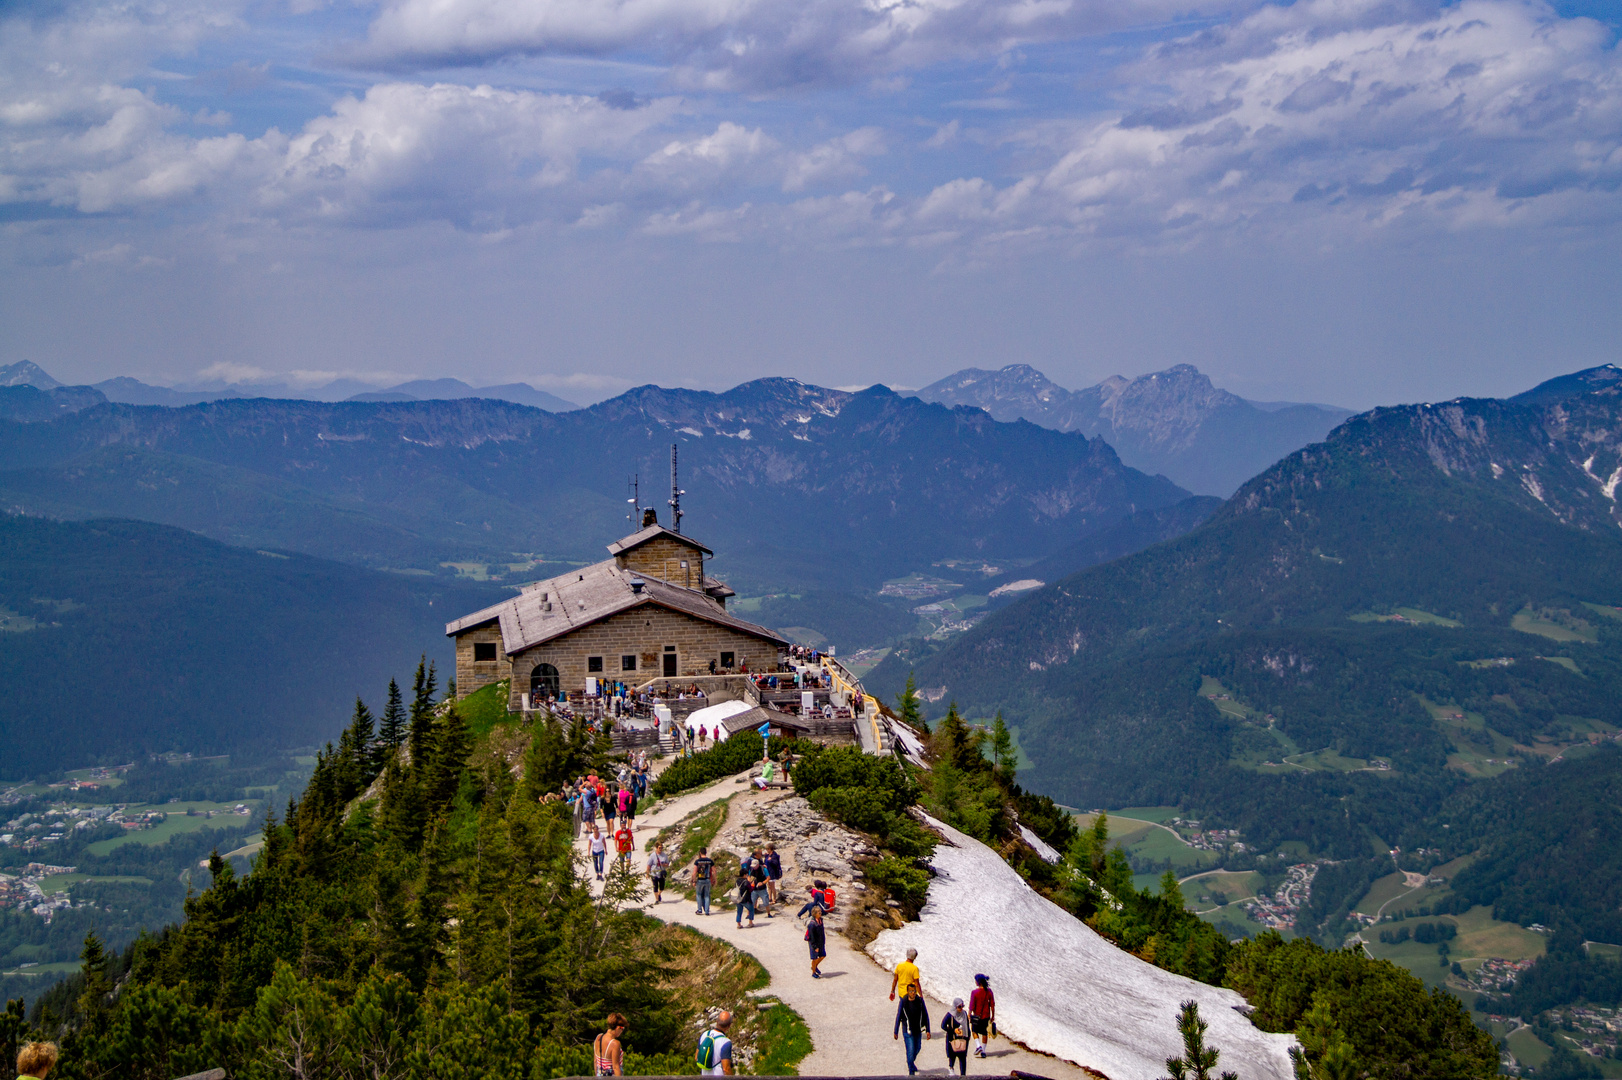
<point x="544" y="682"/>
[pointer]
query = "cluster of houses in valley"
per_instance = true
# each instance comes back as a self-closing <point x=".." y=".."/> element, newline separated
<point x="24" y="891"/>
<point x="1277" y="912"/>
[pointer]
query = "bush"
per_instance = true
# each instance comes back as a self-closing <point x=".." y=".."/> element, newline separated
<point x="732" y="756"/>
<point x="907" y="884"/>
<point x="860" y="808"/>
<point x="849" y="767"/>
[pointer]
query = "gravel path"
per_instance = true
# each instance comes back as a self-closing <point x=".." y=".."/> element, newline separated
<point x="848" y="1010"/>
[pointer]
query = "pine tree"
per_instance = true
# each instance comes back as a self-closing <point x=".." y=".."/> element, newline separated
<point x="357" y="753"/>
<point x="1002" y="748"/>
<point x="98" y="983"/>
<point x="422" y="710"/>
<point x="912" y="709"/>
<point x="392" y="731"/>
<point x="1197" y="1061"/>
<point x="1171" y="892"/>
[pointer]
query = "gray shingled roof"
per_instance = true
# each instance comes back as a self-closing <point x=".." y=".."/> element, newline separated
<point x="550" y="609"/>
<point x="637" y="539"/>
<point x="751" y="719"/>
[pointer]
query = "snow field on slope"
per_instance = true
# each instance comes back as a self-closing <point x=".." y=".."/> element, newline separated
<point x="1061" y="988"/>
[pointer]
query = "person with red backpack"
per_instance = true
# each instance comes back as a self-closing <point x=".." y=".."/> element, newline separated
<point x="819" y="899"/>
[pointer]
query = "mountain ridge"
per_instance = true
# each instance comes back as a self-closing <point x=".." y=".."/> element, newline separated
<point x="1173" y="422"/>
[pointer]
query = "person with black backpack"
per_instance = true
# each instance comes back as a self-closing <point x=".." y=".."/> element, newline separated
<point x="817" y="936"/>
<point x="746" y="896"/>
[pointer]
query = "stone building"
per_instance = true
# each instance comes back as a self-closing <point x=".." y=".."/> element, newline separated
<point x="650" y="611"/>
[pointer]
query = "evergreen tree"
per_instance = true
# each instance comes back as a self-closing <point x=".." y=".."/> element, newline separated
<point x="98" y="983"/>
<point x="1197" y="1060"/>
<point x="357" y="753"/>
<point x="911" y="707"/>
<point x="422" y="710"/>
<point x="1002" y="748"/>
<point x="392" y="731"/>
<point x="1171" y="892"/>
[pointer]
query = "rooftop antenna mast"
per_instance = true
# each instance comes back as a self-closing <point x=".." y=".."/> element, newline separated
<point x="675" y="493"/>
<point x="636" y="501"/>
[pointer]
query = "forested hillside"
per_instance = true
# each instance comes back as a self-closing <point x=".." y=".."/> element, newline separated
<point x="1428" y="598"/>
<point x="120" y="638"/>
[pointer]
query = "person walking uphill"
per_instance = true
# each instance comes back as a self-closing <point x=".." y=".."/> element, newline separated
<point x="912" y="1021"/>
<point x="599" y="851"/>
<point x="658" y="867"/>
<point x="955" y="1028"/>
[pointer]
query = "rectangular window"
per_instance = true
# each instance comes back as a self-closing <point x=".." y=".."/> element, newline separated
<point x="729" y="659"/>
<point x="594" y="664"/>
<point x="628" y="662"/>
<point x="484" y="651"/>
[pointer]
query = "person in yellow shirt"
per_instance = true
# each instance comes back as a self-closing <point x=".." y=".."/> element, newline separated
<point x="906" y="974"/>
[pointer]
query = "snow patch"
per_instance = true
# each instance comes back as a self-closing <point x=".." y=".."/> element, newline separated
<point x="1532" y="485"/>
<point x="692" y="431"/>
<point x="1048" y="852"/>
<point x="711" y="716"/>
<point x="1061" y="988"/>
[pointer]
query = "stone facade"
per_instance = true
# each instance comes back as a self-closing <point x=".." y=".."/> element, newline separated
<point x="474" y="674"/>
<point x="663" y="558"/>
<point x="645" y="633"/>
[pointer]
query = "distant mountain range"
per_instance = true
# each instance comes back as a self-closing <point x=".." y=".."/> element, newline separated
<point x="792" y="484"/>
<point x="1173" y="422"/>
<point x="128" y="391"/>
<point x="1431" y="595"/>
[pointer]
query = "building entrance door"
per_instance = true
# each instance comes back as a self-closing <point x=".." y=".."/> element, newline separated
<point x="670" y="665"/>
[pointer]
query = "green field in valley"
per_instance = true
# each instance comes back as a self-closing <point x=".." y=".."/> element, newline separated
<point x="1406" y="615"/>
<point x="1556" y="624"/>
<point x="178" y="822"/>
<point x="59" y="882"/>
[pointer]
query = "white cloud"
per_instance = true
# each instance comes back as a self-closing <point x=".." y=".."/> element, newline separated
<point x="751" y="44"/>
<point x="836" y="159"/>
<point x="1357" y="113"/>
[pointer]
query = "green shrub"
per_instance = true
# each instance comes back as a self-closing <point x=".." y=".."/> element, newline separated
<point x="731" y="756"/>
<point x="907" y="884"/>
<point x="860" y="808"/>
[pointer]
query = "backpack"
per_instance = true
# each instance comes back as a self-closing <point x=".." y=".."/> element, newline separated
<point x="827" y="899"/>
<point x="706" y="1051"/>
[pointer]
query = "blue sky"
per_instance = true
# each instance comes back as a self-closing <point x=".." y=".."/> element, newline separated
<point x="1357" y="201"/>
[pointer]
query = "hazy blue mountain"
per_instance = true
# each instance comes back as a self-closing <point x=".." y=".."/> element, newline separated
<point x="450" y="389"/>
<point x="28" y="404"/>
<point x="128" y="391"/>
<point x="122" y="638"/>
<point x="26" y="373"/>
<point x="789" y="482"/>
<point x="1422" y="557"/>
<point x="1172" y="422"/>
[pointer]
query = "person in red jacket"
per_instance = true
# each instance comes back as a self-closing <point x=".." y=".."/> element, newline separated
<point x="982" y="1012"/>
<point x="624" y="843"/>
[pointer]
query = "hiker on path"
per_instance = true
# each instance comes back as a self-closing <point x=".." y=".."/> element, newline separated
<point x="599" y="850"/>
<point x="658" y="867"/>
<point x="606" y="1047"/>
<point x="625" y="843"/>
<point x="906" y="974"/>
<point x="715" y="1049"/>
<point x="982" y="1013"/>
<point x="774" y="872"/>
<point x="817" y="936"/>
<point x="746" y="896"/>
<point x="624" y="801"/>
<point x="759" y="877"/>
<point x="912" y="1020"/>
<point x="36" y="1059"/>
<point x="955" y="1026"/>
<point x="629" y="816"/>
<point x="818" y="901"/>
<point x="703" y="878"/>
